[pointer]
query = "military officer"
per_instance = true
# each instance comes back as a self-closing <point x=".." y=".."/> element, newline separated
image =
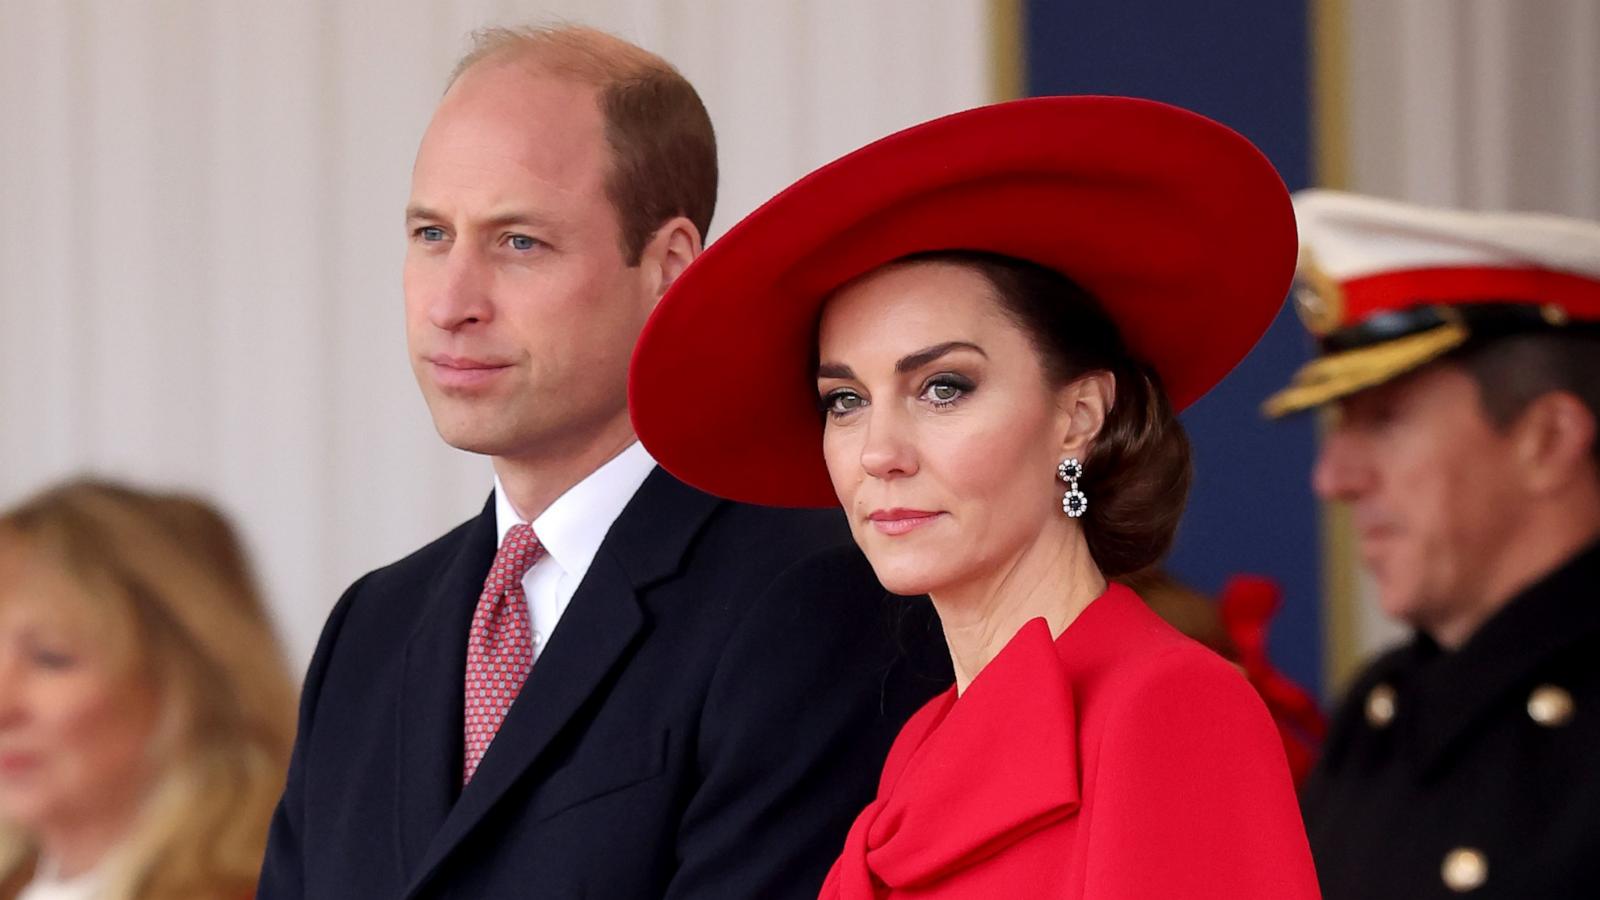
<point x="1460" y="353"/>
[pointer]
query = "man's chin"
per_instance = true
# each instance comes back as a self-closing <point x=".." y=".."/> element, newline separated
<point x="1400" y="603"/>
<point x="486" y="442"/>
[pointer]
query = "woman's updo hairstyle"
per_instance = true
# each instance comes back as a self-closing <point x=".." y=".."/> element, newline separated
<point x="1137" y="470"/>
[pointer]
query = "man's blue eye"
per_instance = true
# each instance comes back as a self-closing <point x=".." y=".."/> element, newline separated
<point x="522" y="242"/>
<point x="431" y="233"/>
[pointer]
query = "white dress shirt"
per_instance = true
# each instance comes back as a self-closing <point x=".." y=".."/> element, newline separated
<point x="571" y="530"/>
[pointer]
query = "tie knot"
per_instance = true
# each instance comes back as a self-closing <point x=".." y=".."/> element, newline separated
<point x="518" y="552"/>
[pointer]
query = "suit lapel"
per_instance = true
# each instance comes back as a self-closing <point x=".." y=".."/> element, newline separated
<point x="430" y="713"/>
<point x="645" y="545"/>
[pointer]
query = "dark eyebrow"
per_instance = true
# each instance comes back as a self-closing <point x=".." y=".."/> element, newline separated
<point x="922" y="357"/>
<point x="907" y="363"/>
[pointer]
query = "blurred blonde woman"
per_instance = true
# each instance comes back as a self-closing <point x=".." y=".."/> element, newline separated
<point x="146" y="713"/>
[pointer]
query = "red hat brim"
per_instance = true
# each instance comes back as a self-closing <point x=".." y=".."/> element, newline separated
<point x="1176" y="224"/>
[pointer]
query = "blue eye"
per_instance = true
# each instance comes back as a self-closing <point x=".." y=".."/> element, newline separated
<point x="522" y="242"/>
<point x="430" y="234"/>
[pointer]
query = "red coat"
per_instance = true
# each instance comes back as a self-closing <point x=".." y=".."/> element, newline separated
<point x="1122" y="760"/>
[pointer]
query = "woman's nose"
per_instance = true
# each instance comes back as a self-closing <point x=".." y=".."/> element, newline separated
<point x="889" y="450"/>
<point x="11" y="687"/>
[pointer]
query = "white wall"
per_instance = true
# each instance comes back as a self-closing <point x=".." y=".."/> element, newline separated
<point x="1483" y="104"/>
<point x="201" y="236"/>
<point x="1479" y="104"/>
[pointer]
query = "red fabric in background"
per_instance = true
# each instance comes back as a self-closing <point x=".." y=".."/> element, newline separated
<point x="1247" y="606"/>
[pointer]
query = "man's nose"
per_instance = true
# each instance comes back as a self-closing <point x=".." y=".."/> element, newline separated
<point x="463" y="296"/>
<point x="1343" y="470"/>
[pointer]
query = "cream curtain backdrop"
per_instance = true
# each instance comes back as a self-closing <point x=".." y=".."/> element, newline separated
<point x="1479" y="104"/>
<point x="201" y="235"/>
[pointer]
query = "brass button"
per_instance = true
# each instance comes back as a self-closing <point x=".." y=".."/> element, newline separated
<point x="1465" y="869"/>
<point x="1550" y="706"/>
<point x="1380" y="706"/>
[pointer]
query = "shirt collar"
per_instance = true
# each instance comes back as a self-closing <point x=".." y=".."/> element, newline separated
<point x="572" y="528"/>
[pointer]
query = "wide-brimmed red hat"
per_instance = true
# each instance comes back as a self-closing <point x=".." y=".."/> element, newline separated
<point x="1177" y="225"/>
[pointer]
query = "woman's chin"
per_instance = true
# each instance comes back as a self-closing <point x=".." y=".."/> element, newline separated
<point x="906" y="576"/>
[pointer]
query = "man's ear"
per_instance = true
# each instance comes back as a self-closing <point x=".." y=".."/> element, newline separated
<point x="670" y="250"/>
<point x="1553" y="440"/>
<point x="1081" y="408"/>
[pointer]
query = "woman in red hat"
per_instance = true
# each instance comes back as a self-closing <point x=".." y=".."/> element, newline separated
<point x="974" y="336"/>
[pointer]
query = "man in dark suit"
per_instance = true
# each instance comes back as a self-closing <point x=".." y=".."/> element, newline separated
<point x="1462" y="351"/>
<point x="608" y="684"/>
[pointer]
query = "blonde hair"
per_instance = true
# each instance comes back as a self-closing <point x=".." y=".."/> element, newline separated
<point x="167" y="583"/>
<point x="664" y="151"/>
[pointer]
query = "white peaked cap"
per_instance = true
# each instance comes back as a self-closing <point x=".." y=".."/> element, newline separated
<point x="1391" y="286"/>
<point x="1353" y="236"/>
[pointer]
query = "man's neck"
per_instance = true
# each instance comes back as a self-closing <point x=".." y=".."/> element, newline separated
<point x="1535" y="553"/>
<point x="533" y="482"/>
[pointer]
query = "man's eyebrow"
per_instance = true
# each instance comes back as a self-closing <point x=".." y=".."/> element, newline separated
<point x="417" y="212"/>
<point x="927" y="355"/>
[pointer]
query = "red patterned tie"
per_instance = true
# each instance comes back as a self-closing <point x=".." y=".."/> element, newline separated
<point x="500" y="645"/>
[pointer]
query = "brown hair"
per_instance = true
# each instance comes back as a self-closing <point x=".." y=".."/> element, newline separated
<point x="166" y="580"/>
<point x="1515" y="370"/>
<point x="1137" y="470"/>
<point x="664" y="152"/>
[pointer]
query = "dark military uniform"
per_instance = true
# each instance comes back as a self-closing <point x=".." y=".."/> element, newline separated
<point x="1472" y="773"/>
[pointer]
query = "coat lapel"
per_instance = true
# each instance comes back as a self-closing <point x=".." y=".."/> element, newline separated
<point x="1460" y="689"/>
<point x="646" y="544"/>
<point x="954" y="799"/>
<point x="430" y="713"/>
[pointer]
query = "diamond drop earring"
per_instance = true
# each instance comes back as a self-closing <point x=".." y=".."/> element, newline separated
<point x="1073" y="502"/>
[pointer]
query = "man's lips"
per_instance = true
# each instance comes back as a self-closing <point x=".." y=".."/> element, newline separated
<point x="899" y="520"/>
<point x="464" y="372"/>
<point x="1376" y="540"/>
<point x="1375" y="528"/>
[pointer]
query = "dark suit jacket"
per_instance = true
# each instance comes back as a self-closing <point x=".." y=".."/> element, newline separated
<point x="1486" y="753"/>
<point x="712" y="710"/>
